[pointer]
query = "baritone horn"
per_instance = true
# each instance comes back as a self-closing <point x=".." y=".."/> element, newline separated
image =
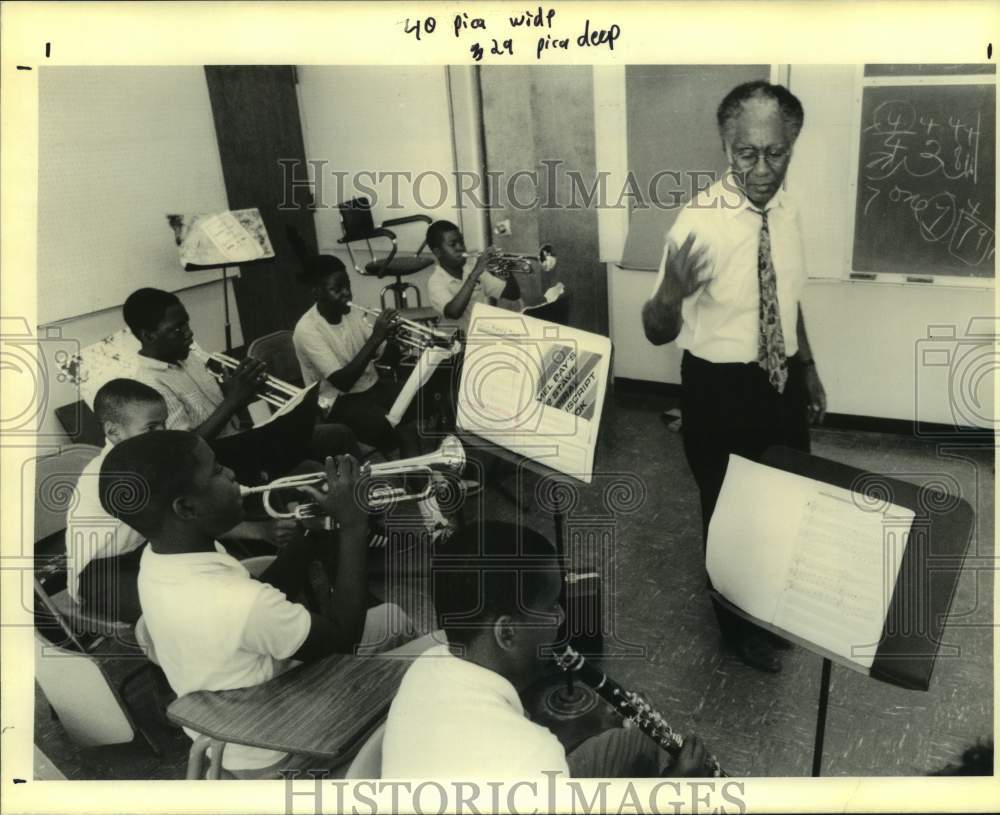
<point x="449" y="457"/>
<point x="504" y="264"/>
<point x="275" y="392"/>
<point x="415" y="336"/>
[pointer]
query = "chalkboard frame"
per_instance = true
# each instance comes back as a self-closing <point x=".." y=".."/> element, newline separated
<point x="918" y="78"/>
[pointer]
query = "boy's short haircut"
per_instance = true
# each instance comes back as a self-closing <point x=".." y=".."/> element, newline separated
<point x="436" y="232"/>
<point x="145" y="308"/>
<point x="488" y="570"/>
<point x="315" y="268"/>
<point x="114" y="397"/>
<point x="141" y="477"/>
<point x="319" y="267"/>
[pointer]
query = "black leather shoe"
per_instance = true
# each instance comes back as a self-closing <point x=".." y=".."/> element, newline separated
<point x="758" y="653"/>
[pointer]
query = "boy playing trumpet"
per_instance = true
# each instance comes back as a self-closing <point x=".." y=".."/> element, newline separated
<point x="450" y="289"/>
<point x="212" y="625"/>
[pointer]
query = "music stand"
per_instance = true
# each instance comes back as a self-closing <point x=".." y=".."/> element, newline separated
<point x="218" y="241"/>
<point x="937" y="544"/>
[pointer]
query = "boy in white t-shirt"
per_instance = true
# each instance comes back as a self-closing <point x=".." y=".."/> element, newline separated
<point x="452" y="291"/>
<point x="102" y="553"/>
<point x="212" y="625"/>
<point x="336" y="347"/>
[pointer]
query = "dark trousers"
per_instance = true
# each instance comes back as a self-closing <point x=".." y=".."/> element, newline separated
<point x="732" y="408"/>
<point x="365" y="414"/>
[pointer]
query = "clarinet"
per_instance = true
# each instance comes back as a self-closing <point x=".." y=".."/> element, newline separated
<point x="629" y="705"/>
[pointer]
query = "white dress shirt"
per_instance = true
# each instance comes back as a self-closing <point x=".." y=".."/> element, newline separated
<point x="191" y="391"/>
<point x="720" y="320"/>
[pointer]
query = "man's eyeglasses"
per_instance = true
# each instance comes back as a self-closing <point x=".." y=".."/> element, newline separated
<point x="748" y="157"/>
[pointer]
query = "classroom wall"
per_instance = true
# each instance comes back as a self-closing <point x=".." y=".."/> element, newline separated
<point x="541" y="120"/>
<point x="868" y="338"/>
<point x="119" y="149"/>
<point x="112" y="161"/>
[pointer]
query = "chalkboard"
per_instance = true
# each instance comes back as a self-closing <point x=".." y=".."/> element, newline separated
<point x="926" y="180"/>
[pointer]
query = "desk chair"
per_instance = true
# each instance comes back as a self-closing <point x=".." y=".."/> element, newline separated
<point x="56" y="476"/>
<point x="278" y="353"/>
<point x="84" y="663"/>
<point x="356" y="219"/>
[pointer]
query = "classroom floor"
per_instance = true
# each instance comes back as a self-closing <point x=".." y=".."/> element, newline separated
<point x="757" y="724"/>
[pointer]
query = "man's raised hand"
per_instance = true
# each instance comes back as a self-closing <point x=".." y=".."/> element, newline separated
<point x="685" y="270"/>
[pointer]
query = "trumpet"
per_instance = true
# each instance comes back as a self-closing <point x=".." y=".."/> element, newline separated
<point x="276" y="392"/>
<point x="504" y="264"/>
<point x="415" y="336"/>
<point x="449" y="457"/>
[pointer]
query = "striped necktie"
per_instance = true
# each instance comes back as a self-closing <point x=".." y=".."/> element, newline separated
<point x="771" y="341"/>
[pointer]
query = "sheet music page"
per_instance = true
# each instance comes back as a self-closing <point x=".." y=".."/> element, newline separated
<point x="290" y="405"/>
<point x="528" y="385"/>
<point x="231" y="238"/>
<point x="807" y="557"/>
<point x="841" y="575"/>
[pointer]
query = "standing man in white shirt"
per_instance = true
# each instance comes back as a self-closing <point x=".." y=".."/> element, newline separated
<point x="728" y="293"/>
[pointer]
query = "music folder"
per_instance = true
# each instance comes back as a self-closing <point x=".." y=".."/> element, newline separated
<point x="857" y="567"/>
<point x="276" y="444"/>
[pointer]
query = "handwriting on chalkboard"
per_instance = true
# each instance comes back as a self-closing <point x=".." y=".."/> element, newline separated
<point x="535" y="31"/>
<point x="926" y="162"/>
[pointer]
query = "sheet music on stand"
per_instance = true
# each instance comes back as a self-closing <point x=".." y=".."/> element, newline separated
<point x="881" y="606"/>
<point x="530" y="385"/>
<point x="807" y="557"/>
<point x="221" y="239"/>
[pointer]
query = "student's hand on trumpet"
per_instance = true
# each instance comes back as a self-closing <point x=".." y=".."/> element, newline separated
<point x="483" y="261"/>
<point x="339" y="500"/>
<point x="246" y="379"/>
<point x="385" y="323"/>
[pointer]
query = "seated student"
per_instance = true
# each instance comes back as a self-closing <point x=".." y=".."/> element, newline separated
<point x="452" y="292"/>
<point x="103" y="553"/>
<point x="458" y="713"/>
<point x="337" y="347"/>
<point x="195" y="399"/>
<point x="213" y="626"/>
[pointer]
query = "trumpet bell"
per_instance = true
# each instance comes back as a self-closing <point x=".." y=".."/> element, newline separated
<point x="449" y="456"/>
<point x="452" y="454"/>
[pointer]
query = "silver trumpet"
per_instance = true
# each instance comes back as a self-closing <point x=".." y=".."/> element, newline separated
<point x="275" y="392"/>
<point x="449" y="457"/>
<point x="415" y="336"/>
<point x="504" y="264"/>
